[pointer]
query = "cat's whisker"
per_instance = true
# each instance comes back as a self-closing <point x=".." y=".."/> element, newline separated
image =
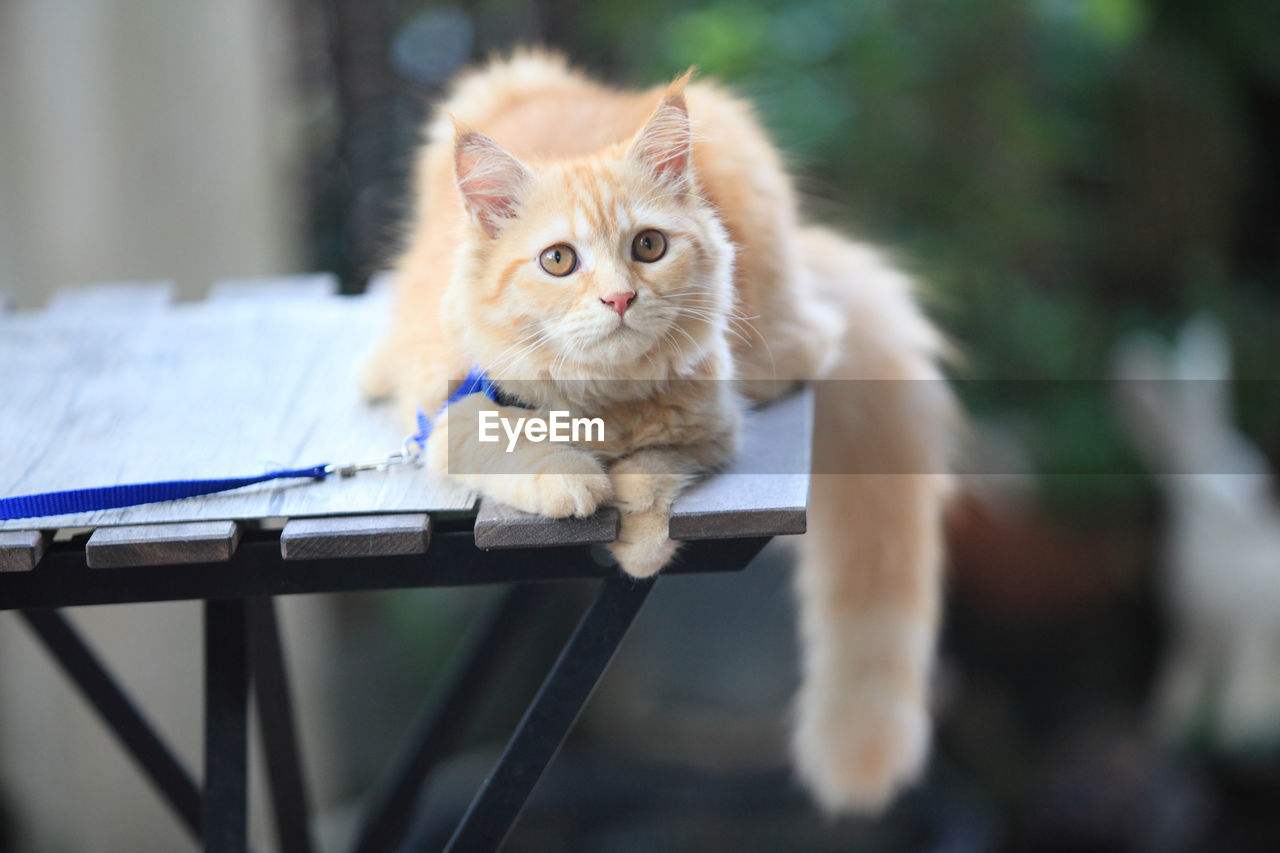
<point x="509" y="357"/>
<point x="503" y="354"/>
<point x="687" y="335"/>
<point x="734" y="318"/>
<point x="728" y="329"/>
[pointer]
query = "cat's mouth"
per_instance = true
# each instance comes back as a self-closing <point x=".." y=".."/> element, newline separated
<point x="621" y="340"/>
<point x="619" y="330"/>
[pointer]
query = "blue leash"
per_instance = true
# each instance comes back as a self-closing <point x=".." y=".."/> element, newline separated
<point x="135" y="494"/>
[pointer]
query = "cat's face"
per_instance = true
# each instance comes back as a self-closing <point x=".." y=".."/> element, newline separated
<point x="607" y="267"/>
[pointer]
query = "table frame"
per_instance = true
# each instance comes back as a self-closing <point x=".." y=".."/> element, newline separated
<point x="242" y="647"/>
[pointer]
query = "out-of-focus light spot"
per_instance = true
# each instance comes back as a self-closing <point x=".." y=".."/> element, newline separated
<point x="432" y="45"/>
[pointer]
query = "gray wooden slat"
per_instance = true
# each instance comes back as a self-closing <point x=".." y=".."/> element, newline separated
<point x="162" y="544"/>
<point x="208" y="389"/>
<point x="127" y="297"/>
<point x="764" y="491"/>
<point x="499" y="526"/>
<point x="355" y="536"/>
<point x="21" y="550"/>
<point x="310" y="286"/>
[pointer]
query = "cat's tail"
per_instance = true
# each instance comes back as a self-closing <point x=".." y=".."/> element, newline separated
<point x="869" y="579"/>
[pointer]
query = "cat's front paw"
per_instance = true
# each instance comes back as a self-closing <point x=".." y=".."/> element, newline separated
<point x="576" y="487"/>
<point x="633" y="491"/>
<point x="643" y="547"/>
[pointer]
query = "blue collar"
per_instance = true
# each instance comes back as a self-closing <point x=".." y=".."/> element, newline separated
<point x="475" y="383"/>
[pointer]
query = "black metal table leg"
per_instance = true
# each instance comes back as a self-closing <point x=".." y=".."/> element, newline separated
<point x="226" y="741"/>
<point x="275" y="717"/>
<point x="97" y="686"/>
<point x="550" y="716"/>
<point x="443" y="718"/>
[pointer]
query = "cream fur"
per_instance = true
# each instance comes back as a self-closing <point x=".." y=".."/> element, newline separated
<point x="745" y="293"/>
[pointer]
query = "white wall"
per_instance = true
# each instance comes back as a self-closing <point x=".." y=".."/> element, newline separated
<point x="145" y="139"/>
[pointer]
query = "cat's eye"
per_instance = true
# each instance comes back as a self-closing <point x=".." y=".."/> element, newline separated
<point x="559" y="260"/>
<point x="649" y="246"/>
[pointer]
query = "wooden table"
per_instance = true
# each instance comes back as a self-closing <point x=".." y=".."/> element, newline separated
<point x="116" y="384"/>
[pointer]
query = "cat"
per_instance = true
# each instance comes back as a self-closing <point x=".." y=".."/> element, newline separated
<point x="640" y="254"/>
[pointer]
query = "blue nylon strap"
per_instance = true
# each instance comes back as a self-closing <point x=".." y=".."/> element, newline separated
<point x="136" y="494"/>
<point x="114" y="497"/>
<point x="475" y="383"/>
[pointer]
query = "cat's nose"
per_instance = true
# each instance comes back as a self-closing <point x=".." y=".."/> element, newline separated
<point x="620" y="302"/>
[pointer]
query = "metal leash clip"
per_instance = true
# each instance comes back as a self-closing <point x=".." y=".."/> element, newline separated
<point x="410" y="453"/>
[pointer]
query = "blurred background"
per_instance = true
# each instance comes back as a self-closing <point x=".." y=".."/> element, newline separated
<point x="1062" y="174"/>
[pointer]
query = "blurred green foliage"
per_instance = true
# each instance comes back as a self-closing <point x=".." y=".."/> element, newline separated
<point x="1057" y="171"/>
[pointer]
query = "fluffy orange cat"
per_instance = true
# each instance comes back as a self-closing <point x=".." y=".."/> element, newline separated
<point x="627" y="249"/>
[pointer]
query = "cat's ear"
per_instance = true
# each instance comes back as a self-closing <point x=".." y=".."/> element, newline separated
<point x="491" y="180"/>
<point x="664" y="144"/>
